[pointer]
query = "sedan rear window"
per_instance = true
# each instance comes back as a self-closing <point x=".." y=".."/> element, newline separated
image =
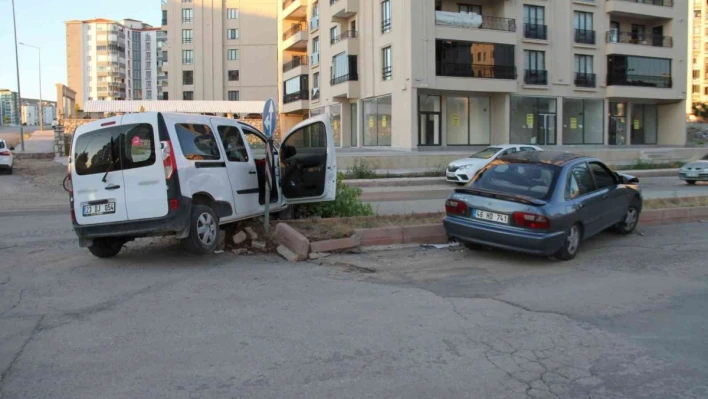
<point x="2" y="145"/>
<point x="531" y="180"/>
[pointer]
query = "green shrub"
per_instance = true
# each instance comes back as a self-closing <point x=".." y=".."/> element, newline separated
<point x="347" y="204"/>
<point x="361" y="169"/>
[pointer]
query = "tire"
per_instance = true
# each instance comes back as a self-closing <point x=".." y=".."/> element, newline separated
<point x="473" y="246"/>
<point x="691" y="182"/>
<point x="203" y="231"/>
<point x="106" y="247"/>
<point x="631" y="219"/>
<point x="571" y="244"/>
<point x="9" y="172"/>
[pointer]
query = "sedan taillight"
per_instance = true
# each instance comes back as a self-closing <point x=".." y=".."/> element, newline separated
<point x="455" y="207"/>
<point x="531" y="221"/>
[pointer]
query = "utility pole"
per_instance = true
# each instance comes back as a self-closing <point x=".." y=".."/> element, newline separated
<point x="41" y="109"/>
<point x="17" y="65"/>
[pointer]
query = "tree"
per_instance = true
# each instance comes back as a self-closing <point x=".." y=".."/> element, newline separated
<point x="700" y="110"/>
<point x="77" y="109"/>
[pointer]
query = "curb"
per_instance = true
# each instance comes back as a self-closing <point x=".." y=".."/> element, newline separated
<point x="657" y="217"/>
<point x="34" y="155"/>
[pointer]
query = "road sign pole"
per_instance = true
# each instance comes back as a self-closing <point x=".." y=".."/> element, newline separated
<point x="270" y="121"/>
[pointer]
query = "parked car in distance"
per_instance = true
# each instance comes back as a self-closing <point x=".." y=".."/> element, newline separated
<point x="462" y="170"/>
<point x="695" y="171"/>
<point x="155" y="174"/>
<point x="542" y="203"/>
<point x="6" y="157"/>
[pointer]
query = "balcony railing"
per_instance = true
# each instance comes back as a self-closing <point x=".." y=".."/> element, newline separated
<point x="665" y="3"/>
<point x="347" y="34"/>
<point x="386" y="25"/>
<point x="536" y="31"/>
<point x="536" y="77"/>
<point x="623" y="79"/>
<point x="387" y="73"/>
<point x="292" y="31"/>
<point x="585" y="36"/>
<point x="351" y="76"/>
<point x="296" y="62"/>
<point x="297" y="96"/>
<point x="637" y="38"/>
<point x="585" y="79"/>
<point x="315" y="59"/>
<point x="462" y="20"/>
<point x="466" y="70"/>
<point x="332" y="1"/>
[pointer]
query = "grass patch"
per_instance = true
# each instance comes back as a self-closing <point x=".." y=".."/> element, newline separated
<point x="663" y="203"/>
<point x="641" y="164"/>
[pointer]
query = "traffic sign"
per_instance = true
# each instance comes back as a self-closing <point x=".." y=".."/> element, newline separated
<point x="270" y="117"/>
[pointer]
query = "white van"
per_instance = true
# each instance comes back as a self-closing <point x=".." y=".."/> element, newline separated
<point x="153" y="174"/>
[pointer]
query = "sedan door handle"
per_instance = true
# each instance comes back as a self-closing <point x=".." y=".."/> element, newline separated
<point x="251" y="172"/>
<point x="113" y="187"/>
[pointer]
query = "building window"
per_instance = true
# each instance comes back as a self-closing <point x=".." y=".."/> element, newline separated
<point x="468" y="120"/>
<point x="232" y="54"/>
<point x="387" y="66"/>
<point x="148" y="75"/>
<point x="583" y="24"/>
<point x="231" y="34"/>
<point x="469" y="9"/>
<point x="233" y="95"/>
<point x="385" y="16"/>
<point x="232" y="13"/>
<point x="377" y="121"/>
<point x="705" y="91"/>
<point x="535" y="67"/>
<point x="187" y="78"/>
<point x="459" y="59"/>
<point x="315" y="86"/>
<point x="188" y="95"/>
<point x="187" y="36"/>
<point x="187" y="57"/>
<point x="334" y="34"/>
<point x="164" y="17"/>
<point x="165" y="95"/>
<point x="696" y="89"/>
<point x="148" y="95"/>
<point x="533" y="120"/>
<point x="187" y="15"/>
<point x="623" y="70"/>
<point x="429" y="117"/>
<point x="233" y="76"/>
<point x="696" y="74"/>
<point x="535" y="22"/>
<point x="584" y="75"/>
<point x="583" y="121"/>
<point x="644" y="123"/>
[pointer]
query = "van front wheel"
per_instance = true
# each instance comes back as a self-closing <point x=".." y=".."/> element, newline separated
<point x="203" y="231"/>
<point x="106" y="247"/>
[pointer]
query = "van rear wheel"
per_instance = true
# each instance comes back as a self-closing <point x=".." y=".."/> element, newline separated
<point x="106" y="247"/>
<point x="203" y="231"/>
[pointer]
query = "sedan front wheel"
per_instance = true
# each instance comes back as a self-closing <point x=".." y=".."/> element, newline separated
<point x="571" y="245"/>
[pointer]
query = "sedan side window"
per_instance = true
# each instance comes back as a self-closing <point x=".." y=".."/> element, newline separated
<point x="528" y="149"/>
<point x="571" y="189"/>
<point x="603" y="177"/>
<point x="583" y="179"/>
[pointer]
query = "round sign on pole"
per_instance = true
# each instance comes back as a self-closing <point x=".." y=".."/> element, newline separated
<point x="270" y="117"/>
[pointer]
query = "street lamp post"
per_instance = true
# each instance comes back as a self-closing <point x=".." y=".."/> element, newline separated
<point x="41" y="108"/>
<point x="17" y="65"/>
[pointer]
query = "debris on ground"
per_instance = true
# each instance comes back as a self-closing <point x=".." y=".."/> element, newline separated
<point x="319" y="255"/>
<point x="240" y="251"/>
<point x="441" y="246"/>
<point x="219" y="251"/>
<point x="239" y="237"/>
<point x="261" y="245"/>
<point x="287" y="254"/>
<point x="251" y="233"/>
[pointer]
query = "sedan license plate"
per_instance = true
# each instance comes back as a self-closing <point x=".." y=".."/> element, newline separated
<point x="99" y="209"/>
<point x="692" y="174"/>
<point x="491" y="216"/>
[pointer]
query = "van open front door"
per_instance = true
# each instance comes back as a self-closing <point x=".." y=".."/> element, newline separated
<point x="308" y="163"/>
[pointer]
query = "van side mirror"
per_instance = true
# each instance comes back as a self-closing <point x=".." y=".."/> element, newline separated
<point x="12" y="148"/>
<point x="289" y="151"/>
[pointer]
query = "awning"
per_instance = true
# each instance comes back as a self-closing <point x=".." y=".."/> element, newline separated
<point x="197" y="107"/>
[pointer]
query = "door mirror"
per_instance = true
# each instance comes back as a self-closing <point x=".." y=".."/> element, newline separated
<point x="288" y="152"/>
<point x="12" y="148"/>
<point x="627" y="179"/>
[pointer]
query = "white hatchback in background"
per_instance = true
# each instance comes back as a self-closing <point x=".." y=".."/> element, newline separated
<point x="462" y="170"/>
<point x="155" y="174"/>
<point x="6" y="157"/>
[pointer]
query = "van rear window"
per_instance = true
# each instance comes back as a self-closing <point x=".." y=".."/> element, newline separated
<point x="531" y="180"/>
<point x="117" y="147"/>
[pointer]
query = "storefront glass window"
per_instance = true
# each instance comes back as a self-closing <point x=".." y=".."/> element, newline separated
<point x="457" y="110"/>
<point x="335" y="111"/>
<point x="533" y="120"/>
<point x="644" y="124"/>
<point x="480" y="120"/>
<point x="377" y="121"/>
<point x="583" y="121"/>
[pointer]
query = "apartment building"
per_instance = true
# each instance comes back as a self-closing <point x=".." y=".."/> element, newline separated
<point x="698" y="53"/>
<point x="224" y="50"/>
<point x="112" y="60"/>
<point x="432" y="74"/>
<point x="9" y="113"/>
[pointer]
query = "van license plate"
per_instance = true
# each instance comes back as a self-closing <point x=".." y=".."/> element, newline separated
<point x="491" y="216"/>
<point x="100" y="209"/>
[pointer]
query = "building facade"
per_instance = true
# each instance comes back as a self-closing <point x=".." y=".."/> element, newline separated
<point x="223" y="50"/>
<point x="112" y="60"/>
<point x="698" y="54"/>
<point x="424" y="74"/>
<point x="9" y="113"/>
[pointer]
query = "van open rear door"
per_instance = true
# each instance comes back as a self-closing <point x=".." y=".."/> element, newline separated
<point x="308" y="162"/>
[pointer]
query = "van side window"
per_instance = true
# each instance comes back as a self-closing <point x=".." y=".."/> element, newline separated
<point x="139" y="146"/>
<point x="197" y="142"/>
<point x="255" y="141"/>
<point x="233" y="144"/>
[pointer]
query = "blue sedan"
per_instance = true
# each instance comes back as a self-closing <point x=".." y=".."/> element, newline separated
<point x="542" y="203"/>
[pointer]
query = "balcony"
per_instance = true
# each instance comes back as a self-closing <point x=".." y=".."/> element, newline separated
<point x="622" y="79"/>
<point x="295" y="38"/>
<point x="536" y="77"/>
<point x="586" y="80"/>
<point x="343" y="8"/>
<point x="640" y="8"/>
<point x="345" y="42"/>
<point x="622" y="85"/>
<point x="296" y="67"/>
<point x="640" y="45"/>
<point x="346" y="85"/>
<point x="297" y="96"/>
<point x="297" y="101"/>
<point x="295" y="9"/>
<point x="475" y="77"/>
<point x="536" y="31"/>
<point x="462" y="26"/>
<point x="583" y="36"/>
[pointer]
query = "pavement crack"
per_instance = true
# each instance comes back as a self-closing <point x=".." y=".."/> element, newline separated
<point x="6" y="373"/>
<point x="16" y="304"/>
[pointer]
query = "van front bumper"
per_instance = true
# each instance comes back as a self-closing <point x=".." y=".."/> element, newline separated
<point x="176" y="221"/>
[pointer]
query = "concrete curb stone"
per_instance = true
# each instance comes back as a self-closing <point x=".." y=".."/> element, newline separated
<point x="292" y="240"/>
<point x="336" y="244"/>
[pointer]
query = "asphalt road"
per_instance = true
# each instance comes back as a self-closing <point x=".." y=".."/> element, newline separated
<point x="416" y="199"/>
<point x="626" y="319"/>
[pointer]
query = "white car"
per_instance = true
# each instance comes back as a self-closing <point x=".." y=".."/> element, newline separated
<point x="695" y="171"/>
<point x="462" y="170"/>
<point x="6" y="157"/>
<point x="154" y="174"/>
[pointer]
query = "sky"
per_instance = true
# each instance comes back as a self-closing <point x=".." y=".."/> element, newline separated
<point x="40" y="23"/>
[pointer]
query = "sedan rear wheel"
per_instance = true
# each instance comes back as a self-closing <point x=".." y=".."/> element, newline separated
<point x="571" y="245"/>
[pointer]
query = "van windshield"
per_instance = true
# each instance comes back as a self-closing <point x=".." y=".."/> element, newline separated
<point x="531" y="180"/>
<point x="124" y="146"/>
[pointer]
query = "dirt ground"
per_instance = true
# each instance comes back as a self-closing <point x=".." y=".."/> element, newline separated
<point x="35" y="184"/>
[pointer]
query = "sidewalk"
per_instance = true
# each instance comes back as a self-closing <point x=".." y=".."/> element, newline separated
<point x="40" y="142"/>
